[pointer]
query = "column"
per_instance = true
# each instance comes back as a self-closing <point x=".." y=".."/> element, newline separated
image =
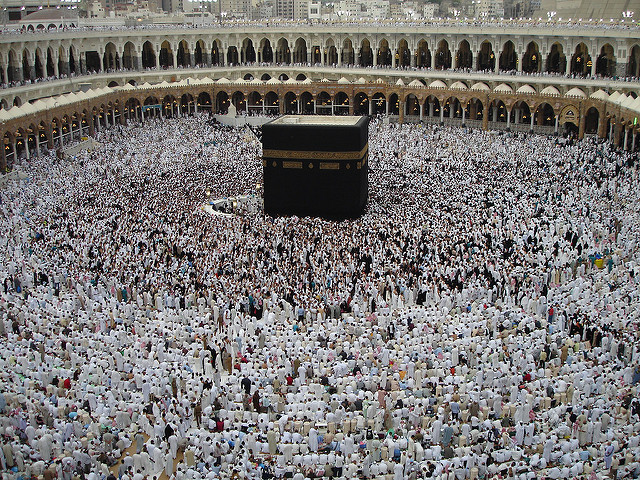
<point x="496" y="66"/>
<point x="375" y="56"/>
<point x="371" y="106"/>
<point x="332" y="106"/>
<point x="263" y="107"/>
<point x="340" y="57"/>
<point x="401" y="112"/>
<point x="315" y="106"/>
<point x="386" y="107"/>
<point x="485" y="121"/>
<point x="421" y="111"/>
<point x="464" y="115"/>
<point x="519" y="61"/>
<point x="113" y="117"/>
<point x="582" y="124"/>
<point x="414" y="57"/>
<point x="441" y="115"/>
<point x="433" y="59"/>
<point x="393" y="60"/>
<point x="495" y="114"/>
<point x="557" y="123"/>
<point x="633" y="141"/>
<point x="299" y="106"/>
<point x="593" y="67"/>
<point x="101" y="62"/>
<point x="531" y="126"/>
<point x="5" y="71"/>
<point x="431" y="109"/>
<point x="624" y="146"/>
<point x="26" y="147"/>
<point x="322" y="56"/>
<point x="508" y="119"/>
<point x="15" y="151"/>
<point x="568" y="69"/>
<point x="611" y="132"/>
<point x="37" y="137"/>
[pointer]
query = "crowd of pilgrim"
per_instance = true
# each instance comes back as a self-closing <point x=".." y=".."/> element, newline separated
<point x="479" y="321"/>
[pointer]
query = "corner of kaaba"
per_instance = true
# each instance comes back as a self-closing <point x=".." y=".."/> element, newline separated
<point x="315" y="166"/>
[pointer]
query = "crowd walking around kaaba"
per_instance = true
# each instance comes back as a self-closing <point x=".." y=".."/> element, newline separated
<point x="479" y="321"/>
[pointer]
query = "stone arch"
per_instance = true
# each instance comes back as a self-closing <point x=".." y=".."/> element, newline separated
<point x="475" y="109"/>
<point x="606" y="62"/>
<point x="423" y="55"/>
<point x="531" y="62"/>
<point x="72" y="60"/>
<point x="497" y="111"/>
<point x="464" y="57"/>
<point x="248" y="77"/>
<point x="13" y="68"/>
<point x="112" y="84"/>
<point x="361" y="104"/>
<point x="239" y="101"/>
<point x="432" y="106"/>
<point x="233" y="57"/>
<point x="403" y="54"/>
<point x="283" y="77"/>
<point x="17" y="101"/>
<point x="331" y="53"/>
<point x="50" y="66"/>
<point x="341" y="103"/>
<point x="300" y="51"/>
<point x="254" y="102"/>
<point x="132" y="109"/>
<point x="204" y="101"/>
<point x="291" y="104"/>
<point x="581" y="61"/>
<point x="200" y="53"/>
<point x="27" y="74"/>
<point x="520" y="113"/>
<point x="384" y="53"/>
<point x="633" y="65"/>
<point x="316" y="55"/>
<point x="187" y="104"/>
<point x="148" y="55"/>
<point x="486" y="57"/>
<point x="508" y="57"/>
<point x="544" y="115"/>
<point x="110" y="59"/>
<point x="43" y="137"/>
<point x="248" y="52"/>
<point x="323" y="103"/>
<point x="271" y="103"/>
<point x="307" y="103"/>
<point x="169" y="106"/>
<point x="394" y="104"/>
<point x="301" y="77"/>
<point x="39" y="65"/>
<point x="183" y="55"/>
<point x="412" y="105"/>
<point x="556" y="60"/>
<point x="265" y="77"/>
<point x="266" y="52"/>
<point x="379" y="101"/>
<point x="283" y="52"/>
<point x="452" y="107"/>
<point x="217" y="53"/>
<point x="443" y="56"/>
<point x="9" y="152"/>
<point x="592" y="121"/>
<point x="165" y="58"/>
<point x="348" y="53"/>
<point x="129" y="58"/>
<point x="365" y="56"/>
<point x="222" y="102"/>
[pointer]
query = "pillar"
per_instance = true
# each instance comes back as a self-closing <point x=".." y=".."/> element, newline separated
<point x="386" y="106"/>
<point x="485" y="122"/>
<point x="50" y="137"/>
<point x="593" y="66"/>
<point x="464" y="115"/>
<point x="582" y="125"/>
<point x="495" y="114"/>
<point x="557" y="123"/>
<point x="433" y="59"/>
<point x="351" y="108"/>
<point x="568" y="69"/>
<point x="442" y="114"/>
<point x="624" y="145"/>
<point x="315" y="106"/>
<point x="401" y="111"/>
<point x="375" y="56"/>
<point x="531" y="123"/>
<point x="299" y="106"/>
<point x="371" y="106"/>
<point x="5" y="72"/>
<point x="421" y="111"/>
<point x="394" y="61"/>
<point x="508" y="119"/>
<point x="519" y="61"/>
<point x="263" y="107"/>
<point x="431" y="109"/>
<point x="322" y="56"/>
<point x="333" y="112"/>
<point x="496" y="66"/>
<point x="37" y="138"/>
<point x="26" y="147"/>
<point x="339" y="57"/>
<point x="3" y="159"/>
<point x="633" y="141"/>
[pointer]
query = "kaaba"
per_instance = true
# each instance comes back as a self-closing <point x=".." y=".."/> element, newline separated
<point x="315" y="165"/>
